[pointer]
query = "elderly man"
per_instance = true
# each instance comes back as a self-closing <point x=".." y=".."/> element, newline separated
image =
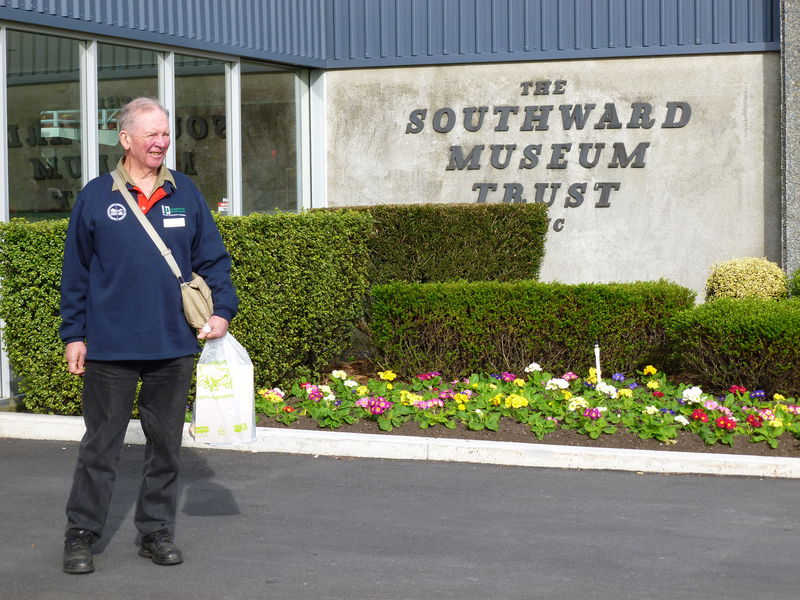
<point x="123" y="324"/>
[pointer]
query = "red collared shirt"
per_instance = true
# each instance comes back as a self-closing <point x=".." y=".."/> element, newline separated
<point x="146" y="203"/>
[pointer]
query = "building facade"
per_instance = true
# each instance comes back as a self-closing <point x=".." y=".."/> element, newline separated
<point x="655" y="130"/>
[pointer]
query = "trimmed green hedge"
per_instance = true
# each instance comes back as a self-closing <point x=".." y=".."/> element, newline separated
<point x="428" y="243"/>
<point x="794" y="284"/>
<point x="301" y="281"/>
<point x="30" y="276"/>
<point x="750" y="342"/>
<point x="461" y="328"/>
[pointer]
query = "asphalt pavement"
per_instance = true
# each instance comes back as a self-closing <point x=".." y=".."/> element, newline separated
<point x="267" y="525"/>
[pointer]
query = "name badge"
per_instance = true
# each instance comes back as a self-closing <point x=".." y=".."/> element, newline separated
<point x="175" y="222"/>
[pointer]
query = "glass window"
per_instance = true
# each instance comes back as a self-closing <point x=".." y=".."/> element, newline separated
<point x="123" y="74"/>
<point x="44" y="125"/>
<point x="200" y="147"/>
<point x="269" y="138"/>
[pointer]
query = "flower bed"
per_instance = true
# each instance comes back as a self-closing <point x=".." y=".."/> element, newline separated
<point x="645" y="404"/>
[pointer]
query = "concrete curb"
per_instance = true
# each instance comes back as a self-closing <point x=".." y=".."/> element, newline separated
<point x="358" y="445"/>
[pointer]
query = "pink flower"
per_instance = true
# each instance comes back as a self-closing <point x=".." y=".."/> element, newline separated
<point x="569" y="376"/>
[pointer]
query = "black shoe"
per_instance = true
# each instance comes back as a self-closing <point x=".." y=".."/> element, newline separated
<point x="160" y="547"/>
<point x="78" y="551"/>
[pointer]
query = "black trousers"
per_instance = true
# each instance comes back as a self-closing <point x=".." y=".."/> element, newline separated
<point x="109" y="389"/>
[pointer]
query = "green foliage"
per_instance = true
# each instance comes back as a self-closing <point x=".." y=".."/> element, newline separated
<point x="426" y="243"/>
<point x="746" y="278"/>
<point x="751" y="342"/>
<point x="461" y="328"/>
<point x="794" y="284"/>
<point x="301" y="281"/>
<point x="30" y="270"/>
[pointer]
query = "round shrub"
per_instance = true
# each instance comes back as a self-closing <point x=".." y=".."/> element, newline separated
<point x="747" y="278"/>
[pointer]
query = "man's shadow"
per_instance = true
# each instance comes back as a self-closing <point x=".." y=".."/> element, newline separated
<point x="198" y="494"/>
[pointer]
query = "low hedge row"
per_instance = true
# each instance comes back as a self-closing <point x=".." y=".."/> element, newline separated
<point x="460" y="328"/>
<point x="426" y="243"/>
<point x="749" y="342"/>
<point x="301" y="281"/>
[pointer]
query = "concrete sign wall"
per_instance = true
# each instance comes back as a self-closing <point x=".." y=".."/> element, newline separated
<point x="651" y="167"/>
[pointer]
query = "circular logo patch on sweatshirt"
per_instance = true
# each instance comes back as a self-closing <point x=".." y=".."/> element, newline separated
<point x="116" y="212"/>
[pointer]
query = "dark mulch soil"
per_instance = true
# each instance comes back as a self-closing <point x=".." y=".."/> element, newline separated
<point x="511" y="431"/>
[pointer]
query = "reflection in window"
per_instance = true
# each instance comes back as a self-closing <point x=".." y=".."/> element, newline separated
<point x="123" y="74"/>
<point x="200" y="147"/>
<point x="269" y="139"/>
<point x="44" y="125"/>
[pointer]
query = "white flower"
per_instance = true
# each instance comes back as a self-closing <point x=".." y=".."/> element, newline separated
<point x="350" y="383"/>
<point x="330" y="397"/>
<point x="556" y="384"/>
<point x="339" y="375"/>
<point x="682" y="420"/>
<point x="651" y="410"/>
<point x="533" y="367"/>
<point x="325" y="389"/>
<point x="607" y="389"/>
<point x="693" y="395"/>
<point x="576" y="403"/>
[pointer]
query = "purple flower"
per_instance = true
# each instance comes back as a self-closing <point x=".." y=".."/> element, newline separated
<point x="633" y="386"/>
<point x="593" y="413"/>
<point x="758" y="394"/>
<point x="377" y="405"/>
<point x="618" y="377"/>
<point x="505" y="376"/>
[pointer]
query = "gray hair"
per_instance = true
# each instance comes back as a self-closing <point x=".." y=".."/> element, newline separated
<point x="127" y="112"/>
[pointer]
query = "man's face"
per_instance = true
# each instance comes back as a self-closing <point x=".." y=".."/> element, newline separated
<point x="146" y="140"/>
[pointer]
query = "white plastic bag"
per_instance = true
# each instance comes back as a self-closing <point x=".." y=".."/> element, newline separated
<point x="224" y="408"/>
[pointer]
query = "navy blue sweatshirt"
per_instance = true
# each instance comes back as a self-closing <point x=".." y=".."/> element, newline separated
<point x="117" y="291"/>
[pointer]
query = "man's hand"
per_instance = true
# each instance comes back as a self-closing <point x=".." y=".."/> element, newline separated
<point x="215" y="327"/>
<point x="75" y="355"/>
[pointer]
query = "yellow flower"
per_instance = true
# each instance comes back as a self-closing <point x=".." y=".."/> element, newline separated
<point x="778" y="398"/>
<point x="462" y="407"/>
<point x="567" y="394"/>
<point x="387" y="375"/>
<point x="776" y="423"/>
<point x="625" y="393"/>
<point x="516" y="401"/>
<point x="497" y="399"/>
<point x="592" y="375"/>
<point x="362" y="390"/>
<point x="389" y="386"/>
<point x="474" y="386"/>
<point x="519" y="382"/>
<point x="409" y="398"/>
<point x="492" y="386"/>
<point x="650" y="370"/>
<point x="460" y="398"/>
<point x="653" y="384"/>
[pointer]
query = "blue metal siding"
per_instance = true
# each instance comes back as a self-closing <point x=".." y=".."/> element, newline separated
<point x="398" y="32"/>
<point x="288" y="31"/>
<point x="364" y="33"/>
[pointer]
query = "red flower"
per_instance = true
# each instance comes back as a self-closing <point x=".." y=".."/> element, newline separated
<point x="700" y="415"/>
<point x="726" y="423"/>
<point x="737" y="389"/>
<point x="658" y="394"/>
<point x="288" y="409"/>
<point x="755" y="420"/>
